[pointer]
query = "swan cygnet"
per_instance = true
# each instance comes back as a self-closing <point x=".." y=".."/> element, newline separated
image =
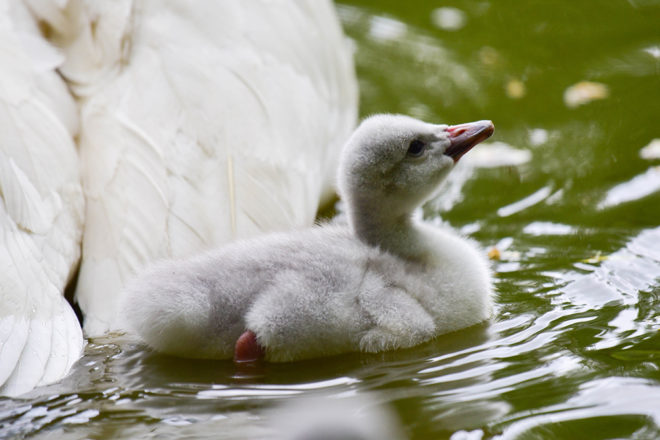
<point x="382" y="282"/>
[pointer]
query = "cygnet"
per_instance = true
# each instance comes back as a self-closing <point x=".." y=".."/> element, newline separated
<point x="382" y="281"/>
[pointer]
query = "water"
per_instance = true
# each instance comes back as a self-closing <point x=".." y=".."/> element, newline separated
<point x="574" y="349"/>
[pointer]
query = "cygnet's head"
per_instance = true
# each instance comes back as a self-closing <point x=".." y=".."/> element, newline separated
<point x="393" y="163"/>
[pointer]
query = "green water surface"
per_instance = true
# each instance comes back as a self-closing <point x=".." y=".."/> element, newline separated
<point x="574" y="349"/>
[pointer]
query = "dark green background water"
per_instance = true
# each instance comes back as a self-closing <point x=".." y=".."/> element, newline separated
<point x="574" y="351"/>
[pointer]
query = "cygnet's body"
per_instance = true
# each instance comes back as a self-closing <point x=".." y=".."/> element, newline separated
<point x="381" y="282"/>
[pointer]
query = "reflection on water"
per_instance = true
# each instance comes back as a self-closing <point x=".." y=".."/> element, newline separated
<point x="570" y="215"/>
<point x="636" y="188"/>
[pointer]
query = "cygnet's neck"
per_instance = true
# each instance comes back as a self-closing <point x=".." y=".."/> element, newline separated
<point x="395" y="234"/>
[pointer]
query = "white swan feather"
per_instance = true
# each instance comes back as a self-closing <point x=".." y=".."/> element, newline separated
<point x="41" y="208"/>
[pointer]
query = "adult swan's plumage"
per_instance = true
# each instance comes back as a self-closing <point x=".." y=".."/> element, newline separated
<point x="198" y="124"/>
<point x="41" y="208"/>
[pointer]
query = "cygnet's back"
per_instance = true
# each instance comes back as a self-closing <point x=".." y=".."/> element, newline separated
<point x="381" y="282"/>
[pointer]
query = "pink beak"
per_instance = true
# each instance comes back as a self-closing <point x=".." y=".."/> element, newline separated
<point x="465" y="136"/>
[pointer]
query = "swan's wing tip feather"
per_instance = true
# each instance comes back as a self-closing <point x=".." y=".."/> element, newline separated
<point x="47" y="346"/>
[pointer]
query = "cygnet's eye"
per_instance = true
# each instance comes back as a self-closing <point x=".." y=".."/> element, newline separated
<point x="416" y="148"/>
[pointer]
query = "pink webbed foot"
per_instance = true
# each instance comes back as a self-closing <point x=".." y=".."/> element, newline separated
<point x="247" y="348"/>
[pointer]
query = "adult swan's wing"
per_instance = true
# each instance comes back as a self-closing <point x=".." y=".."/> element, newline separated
<point x="200" y="123"/>
<point x="41" y="209"/>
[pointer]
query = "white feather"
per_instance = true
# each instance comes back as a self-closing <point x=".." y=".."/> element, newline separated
<point x="41" y="208"/>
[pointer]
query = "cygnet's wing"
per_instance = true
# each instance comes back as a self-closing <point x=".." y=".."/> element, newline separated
<point x="41" y="209"/>
<point x="200" y="124"/>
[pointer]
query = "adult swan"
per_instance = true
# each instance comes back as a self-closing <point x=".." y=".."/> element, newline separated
<point x="197" y="124"/>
